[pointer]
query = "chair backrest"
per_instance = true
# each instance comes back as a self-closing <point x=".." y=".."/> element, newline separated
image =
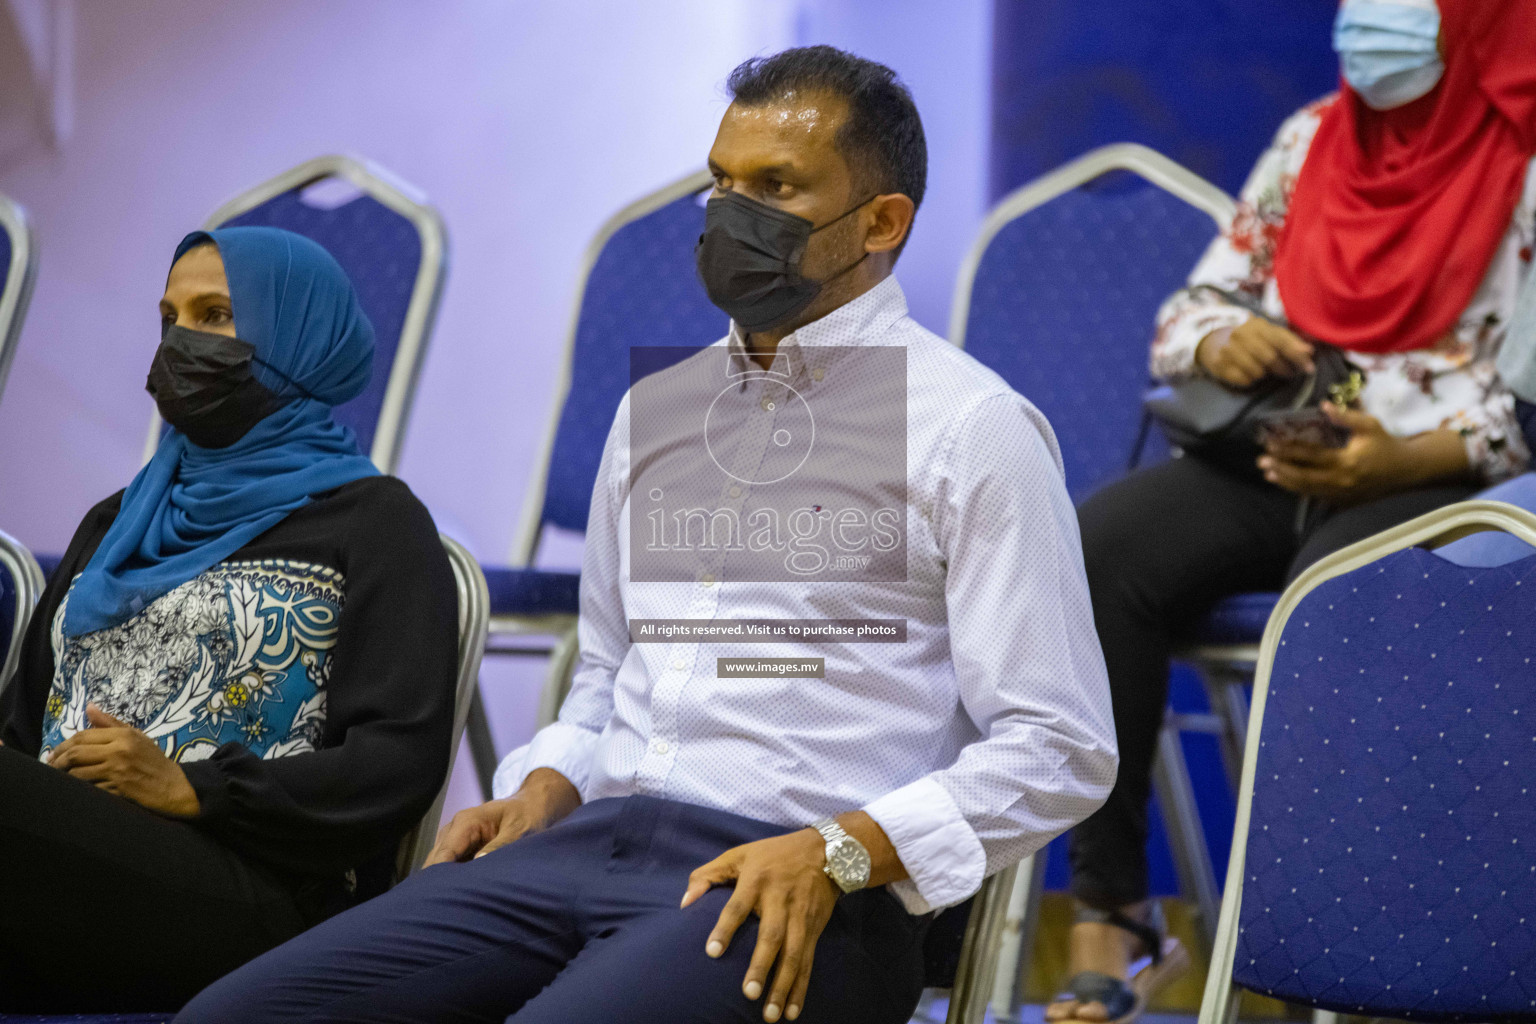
<point x="394" y="248"/>
<point x="21" y="583"/>
<point x="639" y="288"/>
<point x="1060" y="292"/>
<point x="474" y="618"/>
<point x="1382" y="862"/>
<point x="18" y="275"/>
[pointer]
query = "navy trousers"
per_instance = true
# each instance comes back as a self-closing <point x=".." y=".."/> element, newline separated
<point x="579" y="923"/>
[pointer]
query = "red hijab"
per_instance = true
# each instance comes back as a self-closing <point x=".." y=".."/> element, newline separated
<point x="1397" y="213"/>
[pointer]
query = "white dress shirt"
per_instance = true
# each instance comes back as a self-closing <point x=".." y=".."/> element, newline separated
<point x="972" y="744"/>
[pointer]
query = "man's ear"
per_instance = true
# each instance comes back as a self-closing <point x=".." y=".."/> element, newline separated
<point x="892" y="220"/>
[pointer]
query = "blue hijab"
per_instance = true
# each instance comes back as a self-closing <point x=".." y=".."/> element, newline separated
<point x="190" y="508"/>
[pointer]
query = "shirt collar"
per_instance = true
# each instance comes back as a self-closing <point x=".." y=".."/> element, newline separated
<point x="857" y="322"/>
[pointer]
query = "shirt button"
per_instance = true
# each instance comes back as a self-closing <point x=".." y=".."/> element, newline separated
<point x="735" y="491"/>
<point x="660" y="746"/>
<point x="818" y="373"/>
<point x="767" y="405"/>
<point x="707" y="580"/>
<point x="679" y="664"/>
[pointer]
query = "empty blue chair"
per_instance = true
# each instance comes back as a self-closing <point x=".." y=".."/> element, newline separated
<point x="1059" y="295"/>
<point x="639" y="288"/>
<point x="18" y="275"/>
<point x="1382" y="862"/>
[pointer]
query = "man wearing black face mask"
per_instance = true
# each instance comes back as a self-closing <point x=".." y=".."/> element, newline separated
<point x="795" y="228"/>
<point x="932" y="706"/>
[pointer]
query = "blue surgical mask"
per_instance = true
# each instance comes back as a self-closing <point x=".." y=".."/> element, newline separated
<point x="1389" y="50"/>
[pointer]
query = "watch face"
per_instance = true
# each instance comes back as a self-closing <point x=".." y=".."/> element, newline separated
<point x="848" y="863"/>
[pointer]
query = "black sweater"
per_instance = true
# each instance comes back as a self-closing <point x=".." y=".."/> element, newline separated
<point x="382" y="748"/>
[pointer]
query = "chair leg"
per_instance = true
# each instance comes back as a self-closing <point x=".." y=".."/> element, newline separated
<point x="1020" y="926"/>
<point x="482" y="747"/>
<point x="1186" y="836"/>
<point x="1226" y="688"/>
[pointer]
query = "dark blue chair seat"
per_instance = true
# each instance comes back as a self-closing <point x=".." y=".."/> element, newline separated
<point x="530" y="592"/>
<point x="1239" y="619"/>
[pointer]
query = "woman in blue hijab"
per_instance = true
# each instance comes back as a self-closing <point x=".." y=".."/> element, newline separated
<point x="235" y="696"/>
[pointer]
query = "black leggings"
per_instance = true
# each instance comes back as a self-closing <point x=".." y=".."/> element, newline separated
<point x="1162" y="546"/>
<point x="105" y="907"/>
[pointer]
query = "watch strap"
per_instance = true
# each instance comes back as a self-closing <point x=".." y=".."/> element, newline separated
<point x="830" y="830"/>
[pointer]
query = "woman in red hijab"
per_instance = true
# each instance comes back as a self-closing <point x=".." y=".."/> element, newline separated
<point x="1394" y="220"/>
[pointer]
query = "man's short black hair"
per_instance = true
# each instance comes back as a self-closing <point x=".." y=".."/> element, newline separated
<point x="882" y="140"/>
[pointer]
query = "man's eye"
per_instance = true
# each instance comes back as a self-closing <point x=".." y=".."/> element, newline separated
<point x="773" y="186"/>
<point x="217" y="315"/>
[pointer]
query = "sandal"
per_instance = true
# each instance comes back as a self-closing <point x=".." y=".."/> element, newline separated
<point x="1164" y="962"/>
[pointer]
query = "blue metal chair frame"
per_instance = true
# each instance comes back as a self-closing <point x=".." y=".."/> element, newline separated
<point x="1222" y="663"/>
<point x="18" y="279"/>
<point x="389" y="190"/>
<point x="1370" y="934"/>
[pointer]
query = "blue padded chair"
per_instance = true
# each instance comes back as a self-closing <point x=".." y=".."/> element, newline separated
<point x="18" y="275"/>
<point x="639" y="287"/>
<point x="21" y="583"/>
<point x="1382" y="862"/>
<point x="1059" y="295"/>
<point x="395" y="250"/>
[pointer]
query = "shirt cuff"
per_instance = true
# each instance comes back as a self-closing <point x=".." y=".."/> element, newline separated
<point x="935" y="843"/>
<point x="559" y="746"/>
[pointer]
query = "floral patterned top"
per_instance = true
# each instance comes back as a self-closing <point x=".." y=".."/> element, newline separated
<point x="1452" y="384"/>
<point x="239" y="654"/>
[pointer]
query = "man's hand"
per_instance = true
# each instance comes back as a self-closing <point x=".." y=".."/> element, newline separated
<point x="120" y="759"/>
<point x="1244" y="355"/>
<point x="783" y="881"/>
<point x="544" y="798"/>
<point x="1371" y="464"/>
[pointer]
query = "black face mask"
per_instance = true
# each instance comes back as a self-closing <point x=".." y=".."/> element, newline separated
<point x="205" y="387"/>
<point x="749" y="260"/>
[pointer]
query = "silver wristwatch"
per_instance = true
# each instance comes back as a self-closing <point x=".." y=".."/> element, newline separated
<point x="847" y="860"/>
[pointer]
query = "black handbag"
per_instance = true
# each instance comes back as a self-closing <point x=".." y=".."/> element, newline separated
<point x="1202" y="416"/>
